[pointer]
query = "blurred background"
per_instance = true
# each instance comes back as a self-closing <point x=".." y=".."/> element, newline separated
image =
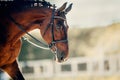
<point x="94" y="41"/>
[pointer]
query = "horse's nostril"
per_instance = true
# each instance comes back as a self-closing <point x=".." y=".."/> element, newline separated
<point x="62" y="55"/>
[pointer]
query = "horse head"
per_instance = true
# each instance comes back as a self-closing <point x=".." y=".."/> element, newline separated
<point x="55" y="33"/>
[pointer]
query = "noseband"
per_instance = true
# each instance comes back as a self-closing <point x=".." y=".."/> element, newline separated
<point x="51" y="24"/>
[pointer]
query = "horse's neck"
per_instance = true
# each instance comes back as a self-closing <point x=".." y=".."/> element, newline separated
<point x="26" y="19"/>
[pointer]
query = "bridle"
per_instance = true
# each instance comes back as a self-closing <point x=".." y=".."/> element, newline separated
<point x="51" y="24"/>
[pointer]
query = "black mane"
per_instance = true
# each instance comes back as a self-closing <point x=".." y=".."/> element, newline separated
<point x="17" y="5"/>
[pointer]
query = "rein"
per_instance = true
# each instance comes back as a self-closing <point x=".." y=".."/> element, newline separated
<point x="26" y="39"/>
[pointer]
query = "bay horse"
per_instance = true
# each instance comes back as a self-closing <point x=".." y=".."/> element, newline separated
<point x="17" y="20"/>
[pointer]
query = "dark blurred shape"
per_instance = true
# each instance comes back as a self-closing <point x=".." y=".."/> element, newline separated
<point x="17" y="5"/>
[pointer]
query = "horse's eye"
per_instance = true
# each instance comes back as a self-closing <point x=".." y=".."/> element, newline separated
<point x="58" y="25"/>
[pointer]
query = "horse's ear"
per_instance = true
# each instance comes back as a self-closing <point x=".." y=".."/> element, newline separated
<point x="69" y="8"/>
<point x="62" y="7"/>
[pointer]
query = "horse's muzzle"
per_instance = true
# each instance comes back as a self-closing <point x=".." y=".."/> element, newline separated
<point x="60" y="56"/>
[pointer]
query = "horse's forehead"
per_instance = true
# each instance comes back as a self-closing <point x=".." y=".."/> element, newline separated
<point x="62" y="14"/>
